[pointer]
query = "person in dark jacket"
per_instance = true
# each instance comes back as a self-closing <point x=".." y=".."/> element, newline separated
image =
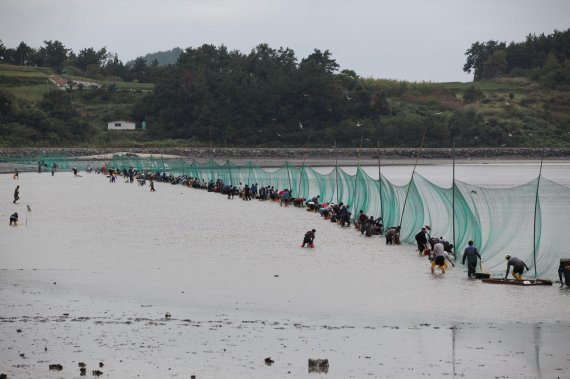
<point x="564" y="271"/>
<point x="422" y="240"/>
<point x="392" y="235"/>
<point x="14" y="219"/>
<point x="16" y="194"/>
<point x="309" y="238"/>
<point x="518" y="267"/>
<point x="247" y="192"/>
<point x="360" y="220"/>
<point x="344" y="216"/>
<point x="471" y="254"/>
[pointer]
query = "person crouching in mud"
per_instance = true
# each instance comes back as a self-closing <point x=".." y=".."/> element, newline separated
<point x="14" y="219"/>
<point x="393" y="236"/>
<point x="439" y="257"/>
<point x="309" y="238"/>
<point x="518" y="267"/>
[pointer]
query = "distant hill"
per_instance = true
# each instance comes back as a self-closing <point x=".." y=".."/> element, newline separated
<point x="210" y="96"/>
<point x="163" y="58"/>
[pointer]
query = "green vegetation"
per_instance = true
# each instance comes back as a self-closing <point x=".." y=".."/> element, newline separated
<point x="162" y="58"/>
<point x="270" y="98"/>
<point x="542" y="58"/>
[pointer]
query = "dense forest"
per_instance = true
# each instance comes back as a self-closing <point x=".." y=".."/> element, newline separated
<point x="543" y="58"/>
<point x="213" y="96"/>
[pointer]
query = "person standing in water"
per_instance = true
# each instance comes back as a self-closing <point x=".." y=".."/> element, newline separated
<point x="471" y="254"/>
<point x="16" y="194"/>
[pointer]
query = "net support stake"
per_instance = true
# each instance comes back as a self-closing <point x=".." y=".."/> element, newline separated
<point x="411" y="179"/>
<point x="535" y="211"/>
<point x="453" y="200"/>
<point x="380" y="182"/>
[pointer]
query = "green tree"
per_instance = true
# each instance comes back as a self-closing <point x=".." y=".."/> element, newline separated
<point x="138" y="70"/>
<point x="23" y="55"/>
<point x="91" y="58"/>
<point x="114" y="67"/>
<point x="478" y="56"/>
<point x="495" y="65"/>
<point x="53" y="54"/>
<point x="3" y="51"/>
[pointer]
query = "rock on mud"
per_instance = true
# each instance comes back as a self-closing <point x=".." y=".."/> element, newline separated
<point x="318" y="365"/>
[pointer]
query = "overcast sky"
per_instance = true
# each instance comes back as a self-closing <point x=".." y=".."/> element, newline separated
<point x="416" y="40"/>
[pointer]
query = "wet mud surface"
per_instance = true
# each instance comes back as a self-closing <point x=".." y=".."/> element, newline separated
<point x="182" y="282"/>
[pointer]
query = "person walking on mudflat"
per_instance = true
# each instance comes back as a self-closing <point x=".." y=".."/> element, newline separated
<point x="16" y="194"/>
<point x="471" y="254"/>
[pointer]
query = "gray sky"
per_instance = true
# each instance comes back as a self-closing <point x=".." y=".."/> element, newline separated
<point x="417" y="40"/>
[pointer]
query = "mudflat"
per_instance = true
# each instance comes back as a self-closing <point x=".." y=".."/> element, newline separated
<point x="182" y="282"/>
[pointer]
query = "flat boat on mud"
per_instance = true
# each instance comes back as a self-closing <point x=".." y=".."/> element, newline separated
<point x="514" y="282"/>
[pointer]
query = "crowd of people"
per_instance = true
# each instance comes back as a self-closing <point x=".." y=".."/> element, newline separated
<point x="437" y="249"/>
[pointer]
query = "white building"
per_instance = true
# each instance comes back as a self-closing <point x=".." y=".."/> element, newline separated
<point x="121" y="125"/>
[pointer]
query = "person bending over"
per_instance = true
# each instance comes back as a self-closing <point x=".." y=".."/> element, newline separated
<point x="518" y="267"/>
<point x="440" y="257"/>
<point x="309" y="238"/>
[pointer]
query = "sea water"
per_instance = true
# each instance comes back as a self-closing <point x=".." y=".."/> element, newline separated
<point x="93" y="268"/>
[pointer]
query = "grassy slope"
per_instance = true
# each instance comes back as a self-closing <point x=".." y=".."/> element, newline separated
<point x="30" y="84"/>
<point x="527" y="97"/>
<point x="40" y="75"/>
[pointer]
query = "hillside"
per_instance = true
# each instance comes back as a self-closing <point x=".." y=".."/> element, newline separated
<point x="504" y="112"/>
<point x="162" y="58"/>
<point x="36" y="112"/>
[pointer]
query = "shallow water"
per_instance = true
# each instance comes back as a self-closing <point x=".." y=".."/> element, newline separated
<point x="116" y="258"/>
<point x="487" y="175"/>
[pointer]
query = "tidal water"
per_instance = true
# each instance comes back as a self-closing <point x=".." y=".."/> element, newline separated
<point x="487" y="175"/>
<point x="116" y="258"/>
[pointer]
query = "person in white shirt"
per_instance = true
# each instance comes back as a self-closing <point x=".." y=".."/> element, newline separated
<point x="440" y="257"/>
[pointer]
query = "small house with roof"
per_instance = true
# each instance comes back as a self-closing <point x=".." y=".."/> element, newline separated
<point x="121" y="125"/>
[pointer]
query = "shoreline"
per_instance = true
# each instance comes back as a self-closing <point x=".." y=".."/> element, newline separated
<point x="267" y="157"/>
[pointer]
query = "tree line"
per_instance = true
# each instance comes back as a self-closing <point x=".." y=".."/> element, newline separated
<point x="265" y="97"/>
<point x="89" y="62"/>
<point x="545" y="58"/>
<point x="268" y="97"/>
